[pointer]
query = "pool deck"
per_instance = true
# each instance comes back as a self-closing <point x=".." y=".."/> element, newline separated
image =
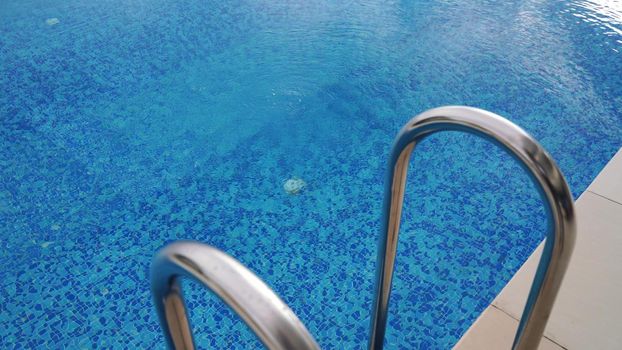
<point x="588" y="310"/>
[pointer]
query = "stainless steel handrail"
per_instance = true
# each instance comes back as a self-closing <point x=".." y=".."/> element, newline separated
<point x="543" y="171"/>
<point x="264" y="312"/>
<point x="277" y="326"/>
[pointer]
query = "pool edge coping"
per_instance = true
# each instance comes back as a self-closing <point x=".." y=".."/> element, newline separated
<point x="496" y="325"/>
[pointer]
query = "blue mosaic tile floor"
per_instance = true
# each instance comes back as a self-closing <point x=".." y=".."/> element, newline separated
<point x="125" y="125"/>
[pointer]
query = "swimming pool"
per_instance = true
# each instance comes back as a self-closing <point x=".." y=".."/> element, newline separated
<point x="128" y="125"/>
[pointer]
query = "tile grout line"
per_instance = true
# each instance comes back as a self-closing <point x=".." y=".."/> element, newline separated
<point x="514" y="318"/>
<point x="600" y="195"/>
<point x="618" y="153"/>
<point x="554" y="342"/>
<point x="500" y="309"/>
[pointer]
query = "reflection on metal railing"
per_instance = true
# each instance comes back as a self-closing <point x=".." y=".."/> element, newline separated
<point x="277" y="326"/>
<point x="543" y="171"/>
<point x="263" y="311"/>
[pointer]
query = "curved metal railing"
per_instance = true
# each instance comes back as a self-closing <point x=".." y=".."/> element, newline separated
<point x="543" y="171"/>
<point x="277" y="326"/>
<point x="264" y="312"/>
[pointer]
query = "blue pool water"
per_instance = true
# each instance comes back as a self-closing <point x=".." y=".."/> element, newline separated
<point x="125" y="125"/>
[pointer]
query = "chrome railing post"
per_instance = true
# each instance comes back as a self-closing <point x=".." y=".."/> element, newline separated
<point x="264" y="312"/>
<point x="543" y="171"/>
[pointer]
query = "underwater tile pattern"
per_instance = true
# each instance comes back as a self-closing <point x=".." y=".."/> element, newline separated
<point x="125" y="125"/>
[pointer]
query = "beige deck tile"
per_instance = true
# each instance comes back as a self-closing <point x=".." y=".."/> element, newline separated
<point x="609" y="181"/>
<point x="494" y="330"/>
<point x="588" y="310"/>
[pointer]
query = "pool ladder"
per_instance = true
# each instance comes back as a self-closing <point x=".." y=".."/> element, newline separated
<point x="277" y="326"/>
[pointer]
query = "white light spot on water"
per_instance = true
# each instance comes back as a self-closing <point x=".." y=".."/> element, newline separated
<point x="55" y="227"/>
<point x="294" y="185"/>
<point x="52" y="21"/>
<point x="45" y="244"/>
